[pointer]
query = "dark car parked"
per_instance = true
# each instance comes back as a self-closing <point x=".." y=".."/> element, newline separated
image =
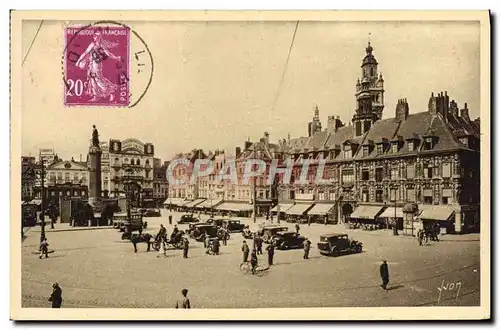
<point x="188" y="218"/>
<point x="288" y="240"/>
<point x="151" y="212"/>
<point x="232" y="225"/>
<point x="337" y="244"/>
<point x="200" y="231"/>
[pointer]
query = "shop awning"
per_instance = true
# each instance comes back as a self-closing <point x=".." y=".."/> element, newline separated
<point x="174" y="201"/>
<point x="390" y="212"/>
<point x="283" y="207"/>
<point x="299" y="209"/>
<point x="437" y="212"/>
<point x="321" y="209"/>
<point x="236" y="207"/>
<point x="194" y="203"/>
<point x="209" y="203"/>
<point x="366" y="212"/>
<point x="33" y="202"/>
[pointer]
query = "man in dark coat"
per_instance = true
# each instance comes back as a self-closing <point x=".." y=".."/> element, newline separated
<point x="307" y="248"/>
<point x="297" y="227"/>
<point x="270" y="254"/>
<point x="258" y="244"/>
<point x="246" y="250"/>
<point x="56" y="296"/>
<point x="185" y="247"/>
<point x="216" y="246"/>
<point x="384" y="274"/>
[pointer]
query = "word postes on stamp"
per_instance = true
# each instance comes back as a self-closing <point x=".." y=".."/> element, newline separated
<point x="96" y="66"/>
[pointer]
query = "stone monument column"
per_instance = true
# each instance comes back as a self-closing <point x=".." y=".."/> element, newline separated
<point x="95" y="173"/>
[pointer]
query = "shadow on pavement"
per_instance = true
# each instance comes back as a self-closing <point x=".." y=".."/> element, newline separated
<point x="395" y="287"/>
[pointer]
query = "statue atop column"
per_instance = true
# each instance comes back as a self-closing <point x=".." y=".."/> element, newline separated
<point x="95" y="137"/>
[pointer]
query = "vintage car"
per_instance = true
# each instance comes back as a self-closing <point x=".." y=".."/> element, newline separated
<point x="151" y="212"/>
<point x="232" y="225"/>
<point x="188" y="218"/>
<point x="288" y="240"/>
<point x="29" y="215"/>
<point x="200" y="231"/>
<point x="128" y="224"/>
<point x="267" y="232"/>
<point x="337" y="244"/>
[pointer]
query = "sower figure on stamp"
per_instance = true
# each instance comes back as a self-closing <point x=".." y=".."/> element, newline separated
<point x="99" y="87"/>
<point x="384" y="274"/>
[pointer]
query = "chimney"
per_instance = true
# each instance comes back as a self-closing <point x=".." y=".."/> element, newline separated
<point x="266" y="138"/>
<point x="288" y="137"/>
<point x="247" y="144"/>
<point x="433" y="104"/>
<point x="464" y="113"/>
<point x="338" y="124"/>
<point x="80" y="158"/>
<point x="330" y="126"/>
<point x="402" y="110"/>
<point x="238" y="152"/>
<point x="446" y="106"/>
<point x="453" y="108"/>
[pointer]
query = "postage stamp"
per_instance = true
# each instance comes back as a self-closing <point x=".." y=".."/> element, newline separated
<point x="96" y="66"/>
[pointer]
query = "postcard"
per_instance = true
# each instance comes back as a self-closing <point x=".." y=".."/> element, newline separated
<point x="250" y="165"/>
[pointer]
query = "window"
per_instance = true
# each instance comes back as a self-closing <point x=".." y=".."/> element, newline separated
<point x="321" y="196"/>
<point x="366" y="126"/>
<point x="379" y="174"/>
<point x="445" y="200"/>
<point x="366" y="151"/>
<point x="132" y="162"/>
<point x="446" y="196"/>
<point x="347" y="151"/>
<point x="429" y="143"/>
<point x="410" y="146"/>
<point x="394" y="195"/>
<point x="394" y="173"/>
<point x="348" y="176"/>
<point x="428" y="196"/>
<point x="410" y="195"/>
<point x="332" y="154"/>
<point x="427" y="171"/>
<point x="365" y="196"/>
<point x="372" y="71"/>
<point x="66" y="177"/>
<point x="394" y="148"/>
<point x="380" y="148"/>
<point x="138" y="162"/>
<point x="410" y="171"/>
<point x="427" y="199"/>
<point x="446" y="170"/>
<point x="379" y="195"/>
<point x="365" y="174"/>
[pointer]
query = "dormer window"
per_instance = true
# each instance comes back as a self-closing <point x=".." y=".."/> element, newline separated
<point x="411" y="146"/>
<point x="380" y="148"/>
<point x="366" y="151"/>
<point x="394" y="147"/>
<point x="429" y="143"/>
<point x="347" y="151"/>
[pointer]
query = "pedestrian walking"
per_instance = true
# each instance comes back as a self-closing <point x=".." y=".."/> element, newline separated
<point x="170" y="219"/>
<point x="183" y="302"/>
<point x="56" y="296"/>
<point x="254" y="261"/>
<point x="297" y="227"/>
<point x="307" y="248"/>
<point x="44" y="249"/>
<point x="206" y="241"/>
<point x="185" y="248"/>
<point x="259" y="244"/>
<point x="420" y="237"/>
<point x="245" y="250"/>
<point x="326" y="219"/>
<point x="162" y="249"/>
<point x="270" y="254"/>
<point x="224" y="236"/>
<point x="384" y="274"/>
<point x="216" y="246"/>
<point x="309" y="220"/>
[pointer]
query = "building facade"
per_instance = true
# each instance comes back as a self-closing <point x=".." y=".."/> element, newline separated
<point x="28" y="178"/>
<point x="130" y="169"/>
<point x="160" y="182"/>
<point x="429" y="159"/>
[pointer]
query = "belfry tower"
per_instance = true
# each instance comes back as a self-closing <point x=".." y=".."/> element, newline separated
<point x="369" y="94"/>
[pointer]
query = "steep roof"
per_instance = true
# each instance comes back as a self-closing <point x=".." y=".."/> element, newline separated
<point x="318" y="141"/>
<point x="343" y="133"/>
<point x="297" y="143"/>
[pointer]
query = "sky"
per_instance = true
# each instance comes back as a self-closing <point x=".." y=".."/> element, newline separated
<point x="215" y="84"/>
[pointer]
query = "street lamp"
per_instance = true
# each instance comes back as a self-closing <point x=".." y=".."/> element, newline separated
<point x="42" y="207"/>
<point x="395" y="226"/>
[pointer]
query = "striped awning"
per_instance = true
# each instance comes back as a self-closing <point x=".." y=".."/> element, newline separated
<point x="321" y="209"/>
<point x="236" y="207"/>
<point x="209" y="203"/>
<point x="391" y="211"/>
<point x="366" y="212"/>
<point x="283" y="207"/>
<point x="194" y="203"/>
<point x="437" y="212"/>
<point x="174" y="201"/>
<point x="299" y="209"/>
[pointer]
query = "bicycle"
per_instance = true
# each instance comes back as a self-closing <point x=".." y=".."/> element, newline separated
<point x="246" y="267"/>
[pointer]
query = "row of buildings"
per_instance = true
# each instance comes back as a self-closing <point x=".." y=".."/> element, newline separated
<point x="126" y="166"/>
<point x="419" y="165"/>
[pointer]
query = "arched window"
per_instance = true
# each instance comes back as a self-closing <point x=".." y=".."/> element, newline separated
<point x="125" y="161"/>
<point x="138" y="162"/>
<point x="372" y="72"/>
<point x="131" y="162"/>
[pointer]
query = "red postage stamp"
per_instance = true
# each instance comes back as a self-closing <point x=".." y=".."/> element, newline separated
<point x="96" y="66"/>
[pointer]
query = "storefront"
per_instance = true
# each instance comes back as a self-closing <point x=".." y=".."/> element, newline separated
<point x="173" y="203"/>
<point x="234" y="209"/>
<point x="321" y="212"/>
<point x="281" y="208"/>
<point x="208" y="205"/>
<point x="190" y="207"/>
<point x="366" y="214"/>
<point x="442" y="215"/>
<point x="298" y="212"/>
<point x="392" y="216"/>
